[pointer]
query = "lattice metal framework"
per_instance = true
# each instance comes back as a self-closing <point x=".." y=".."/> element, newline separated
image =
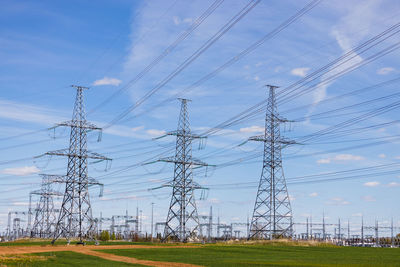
<point x="272" y="214"/>
<point x="75" y="217"/>
<point x="45" y="213"/>
<point x="182" y="220"/>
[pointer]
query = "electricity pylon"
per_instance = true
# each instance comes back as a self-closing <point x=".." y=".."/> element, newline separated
<point x="75" y="217"/>
<point x="45" y="213"/>
<point x="182" y="220"/>
<point x="272" y="215"/>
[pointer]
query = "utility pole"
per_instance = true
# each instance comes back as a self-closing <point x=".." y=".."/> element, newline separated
<point x="376" y="233"/>
<point x="218" y="223"/>
<point x="391" y="234"/>
<point x="348" y="230"/>
<point x="362" y="230"/>
<point x="307" y="228"/>
<point x="247" y="225"/>
<point x="272" y="214"/>
<point x="29" y="228"/>
<point x="183" y="220"/>
<point x="75" y="218"/>
<point x="141" y="221"/>
<point x="152" y="209"/>
<point x="137" y="221"/>
<point x="210" y="223"/>
<point x="323" y="226"/>
<point x="101" y="222"/>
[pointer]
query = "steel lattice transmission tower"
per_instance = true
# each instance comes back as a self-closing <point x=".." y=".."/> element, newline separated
<point x="182" y="220"/>
<point x="272" y="215"/>
<point x="45" y="213"/>
<point x="75" y="217"/>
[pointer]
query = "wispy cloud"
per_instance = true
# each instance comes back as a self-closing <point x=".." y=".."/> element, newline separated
<point x="155" y="132"/>
<point x="252" y="129"/>
<point x="301" y="72"/>
<point x="347" y="33"/>
<point x="28" y="113"/>
<point x="393" y="184"/>
<point x="107" y="81"/>
<point x="368" y="199"/>
<point x="385" y="71"/>
<point x="372" y="184"/>
<point x="21" y="171"/>
<point x="340" y="158"/>
<point x="338" y="201"/>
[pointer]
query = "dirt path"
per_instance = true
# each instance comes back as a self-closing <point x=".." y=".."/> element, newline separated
<point x="90" y="250"/>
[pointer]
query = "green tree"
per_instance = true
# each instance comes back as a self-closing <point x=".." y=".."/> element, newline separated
<point x="105" y="236"/>
<point x="113" y="236"/>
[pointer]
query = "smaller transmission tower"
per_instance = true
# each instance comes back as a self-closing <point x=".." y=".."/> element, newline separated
<point x="183" y="220"/>
<point x="45" y="213"/>
<point x="272" y="214"/>
<point x="75" y="217"/>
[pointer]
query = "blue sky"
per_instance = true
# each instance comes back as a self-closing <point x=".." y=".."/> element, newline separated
<point x="46" y="46"/>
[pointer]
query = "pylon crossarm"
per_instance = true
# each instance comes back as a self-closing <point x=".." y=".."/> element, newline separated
<point x="262" y="138"/>
<point x="186" y="134"/>
<point x="67" y="153"/>
<point x="192" y="161"/>
<point x="46" y="193"/>
<point x="79" y="124"/>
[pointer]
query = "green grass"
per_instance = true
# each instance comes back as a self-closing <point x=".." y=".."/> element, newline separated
<point x="269" y="255"/>
<point x="64" y="258"/>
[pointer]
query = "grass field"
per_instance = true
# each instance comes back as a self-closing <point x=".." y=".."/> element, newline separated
<point x="64" y="258"/>
<point x="221" y="254"/>
<point x="272" y="255"/>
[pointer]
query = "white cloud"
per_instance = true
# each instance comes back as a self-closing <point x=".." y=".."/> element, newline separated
<point x="301" y="72"/>
<point x="256" y="78"/>
<point x="348" y="33"/>
<point x="340" y="157"/>
<point x="252" y="129"/>
<point x="138" y="128"/>
<point x="382" y="156"/>
<point x="372" y="184"/>
<point x="323" y="161"/>
<point x="176" y="20"/>
<point x="188" y="20"/>
<point x="21" y="171"/>
<point x="393" y="184"/>
<point x="347" y="157"/>
<point x="384" y="71"/>
<point x="107" y="81"/>
<point x="338" y="201"/>
<point x="155" y="133"/>
<point x="314" y="194"/>
<point x="29" y="113"/>
<point x="369" y="198"/>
